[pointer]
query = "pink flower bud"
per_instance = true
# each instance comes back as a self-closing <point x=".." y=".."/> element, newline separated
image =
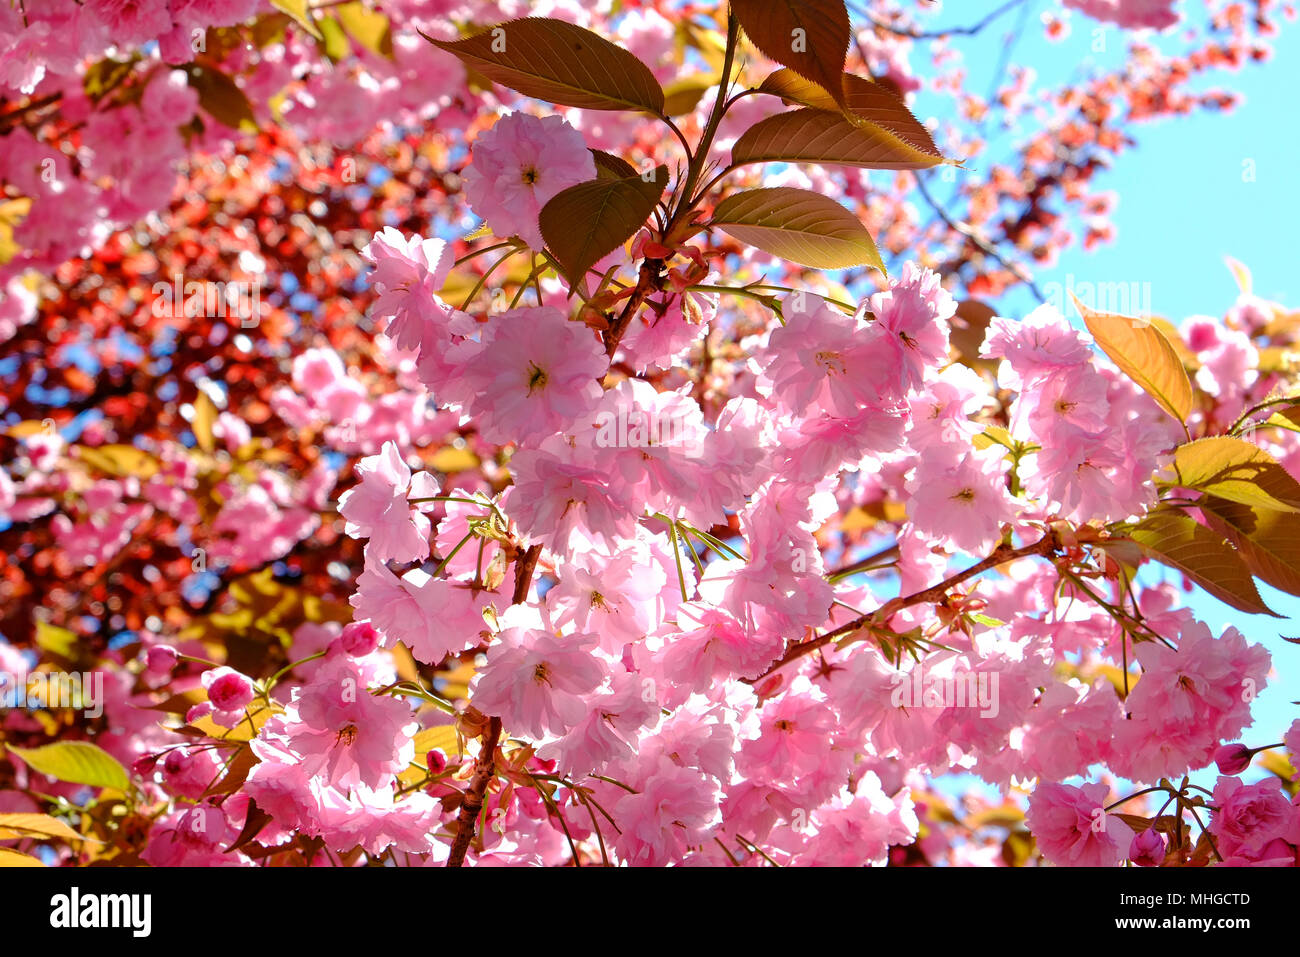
<point x="228" y="690"/>
<point x="160" y="659"/>
<point x="175" y="761"/>
<point x="143" y="766"/>
<point x="436" y="761"/>
<point x="1147" y="849"/>
<point x="1232" y="758"/>
<point x="360" y="638"/>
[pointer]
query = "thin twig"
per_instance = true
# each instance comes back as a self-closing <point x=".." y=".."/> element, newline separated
<point x="1047" y="545"/>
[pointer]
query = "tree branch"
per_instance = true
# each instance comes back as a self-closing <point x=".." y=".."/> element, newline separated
<point x="472" y="804"/>
<point x="980" y="243"/>
<point x="915" y="34"/>
<point x="649" y="280"/>
<point x="1046" y="545"/>
<point x="485" y="765"/>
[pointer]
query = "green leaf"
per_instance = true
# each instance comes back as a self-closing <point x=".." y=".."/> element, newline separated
<point x="370" y="28"/>
<point x="1201" y="554"/>
<point x="799" y="225"/>
<point x="300" y="13"/>
<point x="221" y="98"/>
<point x="561" y="63"/>
<point x="1268" y="540"/>
<point x="828" y="139"/>
<point x="77" y="762"/>
<point x="590" y="220"/>
<point x="1237" y="470"/>
<point x="866" y="104"/>
<point x="809" y="36"/>
<point x="1143" y="353"/>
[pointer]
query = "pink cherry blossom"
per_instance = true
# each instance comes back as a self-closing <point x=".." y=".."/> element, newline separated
<point x="518" y="166"/>
<point x="1072" y="827"/>
<point x="378" y="508"/>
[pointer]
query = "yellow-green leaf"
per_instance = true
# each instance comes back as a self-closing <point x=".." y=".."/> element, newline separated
<point x="35" y="825"/>
<point x="56" y="640"/>
<point x="1143" y="353"/>
<point x="827" y="139"/>
<point x="334" y="41"/>
<point x="1006" y="815"/>
<point x="450" y="459"/>
<point x="1267" y="539"/>
<point x="609" y="166"/>
<point x="1200" y="553"/>
<point x="76" y="762"/>
<point x="799" y="225"/>
<point x="370" y="28"/>
<point x="300" y="12"/>
<point x="682" y="96"/>
<point x="586" y="222"/>
<point x="221" y="98"/>
<point x="205" y="417"/>
<point x="1237" y="470"/>
<point x="441" y="737"/>
<point x="561" y="63"/>
<point x="866" y="104"/>
<point x="809" y="36"/>
<point x="119" y="460"/>
<point x="1240" y="273"/>
<point x="1288" y="418"/>
<point x="12" y="212"/>
<point x="11" y="858"/>
<point x="245" y="730"/>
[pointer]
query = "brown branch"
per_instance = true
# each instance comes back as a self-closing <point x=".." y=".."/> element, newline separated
<point x="648" y="280"/>
<point x="915" y="34"/>
<point x="472" y="804"/>
<point x="866" y="564"/>
<point x="524" y="574"/>
<point x="1047" y="545"/>
<point x="485" y="765"/>
<point x="30" y="107"/>
<point x="979" y="242"/>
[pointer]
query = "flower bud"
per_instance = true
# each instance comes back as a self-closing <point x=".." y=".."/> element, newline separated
<point x="1147" y="849"/>
<point x="228" y="690"/>
<point x="1232" y="758"/>
<point x="360" y="638"/>
<point x="143" y="766"/>
<point x="436" y="760"/>
<point x="160" y="659"/>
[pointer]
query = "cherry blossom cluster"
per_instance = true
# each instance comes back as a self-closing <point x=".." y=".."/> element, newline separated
<point x="735" y="585"/>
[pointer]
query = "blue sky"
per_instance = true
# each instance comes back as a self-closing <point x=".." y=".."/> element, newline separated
<point x="1184" y="205"/>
